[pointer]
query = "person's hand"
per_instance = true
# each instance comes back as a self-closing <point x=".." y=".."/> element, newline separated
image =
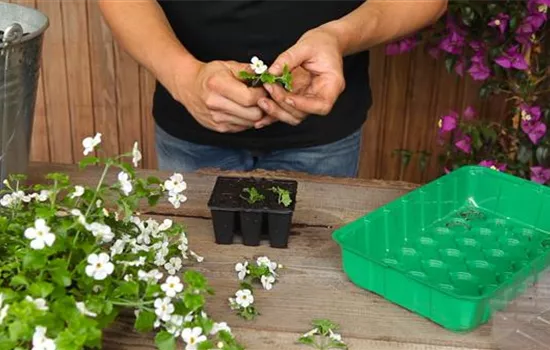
<point x="319" y="53"/>
<point x="216" y="98"/>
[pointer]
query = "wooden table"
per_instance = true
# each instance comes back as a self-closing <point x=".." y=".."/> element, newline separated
<point x="312" y="285"/>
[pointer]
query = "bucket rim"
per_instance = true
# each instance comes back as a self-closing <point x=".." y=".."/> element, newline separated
<point x="33" y="34"/>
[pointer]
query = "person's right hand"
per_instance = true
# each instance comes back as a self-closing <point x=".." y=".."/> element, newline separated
<point x="216" y="98"/>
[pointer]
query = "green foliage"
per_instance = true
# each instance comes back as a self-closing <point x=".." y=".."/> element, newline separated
<point x="254" y="79"/>
<point x="284" y="196"/>
<point x="323" y="336"/>
<point x="252" y="195"/>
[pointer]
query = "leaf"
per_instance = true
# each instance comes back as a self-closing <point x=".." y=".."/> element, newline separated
<point x="45" y="212"/>
<point x="513" y="23"/>
<point x="66" y="340"/>
<point x="165" y="341"/>
<point x="306" y="340"/>
<point x="18" y="329"/>
<point x="206" y="345"/>
<point x="246" y="75"/>
<point x="127" y="289"/>
<point x="34" y="260"/>
<point x="59" y="272"/>
<point x="153" y="200"/>
<point x="19" y="280"/>
<point x="476" y="139"/>
<point x="195" y="279"/>
<point x="450" y="63"/>
<point x="152" y="180"/>
<point x="543" y="155"/>
<point x="87" y="161"/>
<point x="41" y="289"/>
<point x="151" y="290"/>
<point x="267" y="78"/>
<point x="145" y="321"/>
<point x="525" y="154"/>
<point x="193" y="301"/>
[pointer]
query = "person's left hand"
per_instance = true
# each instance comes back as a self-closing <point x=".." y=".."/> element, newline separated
<point x="320" y="54"/>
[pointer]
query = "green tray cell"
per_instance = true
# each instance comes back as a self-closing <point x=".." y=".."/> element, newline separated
<point x="455" y="250"/>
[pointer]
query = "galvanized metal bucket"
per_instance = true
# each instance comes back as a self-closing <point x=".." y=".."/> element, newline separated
<point x="20" y="55"/>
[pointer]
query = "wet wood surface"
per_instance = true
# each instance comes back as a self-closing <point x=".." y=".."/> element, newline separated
<point x="312" y="284"/>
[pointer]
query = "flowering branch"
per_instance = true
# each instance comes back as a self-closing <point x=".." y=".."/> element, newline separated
<point x="323" y="336"/>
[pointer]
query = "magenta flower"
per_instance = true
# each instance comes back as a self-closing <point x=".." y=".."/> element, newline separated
<point x="500" y="22"/>
<point x="534" y="130"/>
<point x="538" y="7"/>
<point x="512" y="58"/>
<point x="493" y="165"/>
<point x="402" y="46"/>
<point x="446" y="170"/>
<point x="477" y="46"/>
<point x="459" y="67"/>
<point x="540" y="175"/>
<point x="464" y="144"/>
<point x="530" y="113"/>
<point x="479" y="70"/>
<point x="469" y="113"/>
<point x="447" y="123"/>
<point x="453" y="43"/>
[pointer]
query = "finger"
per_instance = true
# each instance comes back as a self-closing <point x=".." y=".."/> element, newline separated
<point x="293" y="57"/>
<point x="279" y="95"/>
<point x="271" y="108"/>
<point x="235" y="90"/>
<point x="222" y="104"/>
<point x="321" y="98"/>
<point x="265" y="121"/>
<point x="221" y="117"/>
<point x="228" y="128"/>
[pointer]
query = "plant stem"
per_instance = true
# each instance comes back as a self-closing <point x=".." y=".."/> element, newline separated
<point x="101" y="179"/>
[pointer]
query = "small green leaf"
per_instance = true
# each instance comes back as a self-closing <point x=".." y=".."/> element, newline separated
<point x="306" y="340"/>
<point x="145" y="321"/>
<point x="193" y="301"/>
<point x="59" y="272"/>
<point x="152" y="180"/>
<point x="87" y="161"/>
<point x="543" y="155"/>
<point x="151" y="290"/>
<point x="19" y="280"/>
<point x="45" y="212"/>
<point x="165" y="341"/>
<point x="41" y="289"/>
<point x="34" y="260"/>
<point x="18" y="329"/>
<point x="450" y="63"/>
<point x="525" y="154"/>
<point x="246" y="75"/>
<point x="268" y="78"/>
<point x="108" y="307"/>
<point x="153" y="200"/>
<point x="205" y="345"/>
<point x="127" y="289"/>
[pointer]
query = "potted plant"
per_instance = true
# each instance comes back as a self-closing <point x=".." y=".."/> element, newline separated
<point x="253" y="206"/>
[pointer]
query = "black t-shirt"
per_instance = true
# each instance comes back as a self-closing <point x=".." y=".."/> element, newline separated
<point x="239" y="30"/>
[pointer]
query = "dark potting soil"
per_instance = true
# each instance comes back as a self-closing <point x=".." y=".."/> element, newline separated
<point x="228" y="194"/>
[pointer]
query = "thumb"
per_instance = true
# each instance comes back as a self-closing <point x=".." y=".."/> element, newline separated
<point x="293" y="57"/>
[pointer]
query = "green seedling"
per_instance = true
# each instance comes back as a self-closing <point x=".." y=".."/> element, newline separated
<point x="284" y="195"/>
<point x="267" y="78"/>
<point x="253" y="195"/>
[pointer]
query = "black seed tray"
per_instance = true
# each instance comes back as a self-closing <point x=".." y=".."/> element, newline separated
<point x="232" y="214"/>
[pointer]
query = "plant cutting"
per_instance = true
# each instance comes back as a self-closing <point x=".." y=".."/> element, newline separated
<point x="246" y="203"/>
<point x="502" y="45"/>
<point x="260" y="75"/>
<point x="323" y="336"/>
<point x="74" y="257"/>
<point x="242" y="303"/>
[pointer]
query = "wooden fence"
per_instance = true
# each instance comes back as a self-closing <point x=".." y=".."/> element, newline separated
<point x="88" y="84"/>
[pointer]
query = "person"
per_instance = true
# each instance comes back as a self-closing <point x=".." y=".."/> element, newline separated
<point x="206" y="116"/>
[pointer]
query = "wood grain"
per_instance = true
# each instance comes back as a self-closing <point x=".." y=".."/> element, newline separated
<point x="312" y="283"/>
<point x="147" y="86"/>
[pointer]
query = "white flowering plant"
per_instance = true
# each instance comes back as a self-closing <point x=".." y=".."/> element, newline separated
<point x="262" y="271"/>
<point x="261" y="75"/>
<point x="323" y="336"/>
<point x="74" y="257"/>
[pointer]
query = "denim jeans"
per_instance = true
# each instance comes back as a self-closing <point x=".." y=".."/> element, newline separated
<point x="338" y="159"/>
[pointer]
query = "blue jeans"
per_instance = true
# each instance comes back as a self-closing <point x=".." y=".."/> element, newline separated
<point x="338" y="159"/>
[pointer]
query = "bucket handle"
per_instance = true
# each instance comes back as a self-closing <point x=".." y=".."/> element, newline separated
<point x="13" y="34"/>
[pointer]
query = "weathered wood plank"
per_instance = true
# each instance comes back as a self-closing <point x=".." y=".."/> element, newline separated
<point x="147" y="86"/>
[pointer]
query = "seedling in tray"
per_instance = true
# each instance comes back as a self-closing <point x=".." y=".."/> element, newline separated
<point x="254" y="207"/>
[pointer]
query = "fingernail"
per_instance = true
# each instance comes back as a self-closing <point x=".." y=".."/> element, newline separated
<point x="262" y="104"/>
<point x="268" y="88"/>
<point x="289" y="102"/>
<point x="260" y="125"/>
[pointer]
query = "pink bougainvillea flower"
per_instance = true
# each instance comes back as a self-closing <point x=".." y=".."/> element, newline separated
<point x="530" y="113"/>
<point x="500" y="22"/>
<point x="464" y="144"/>
<point x="447" y="122"/>
<point x="402" y="46"/>
<point x="512" y="58"/>
<point x="446" y="170"/>
<point x="493" y="165"/>
<point x="453" y="43"/>
<point x="534" y="130"/>
<point x="540" y="174"/>
<point x="459" y="67"/>
<point x="538" y="7"/>
<point x="477" y="46"/>
<point x="479" y="70"/>
<point x="469" y="113"/>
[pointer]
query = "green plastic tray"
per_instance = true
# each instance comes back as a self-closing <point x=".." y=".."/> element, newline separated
<point x="455" y="250"/>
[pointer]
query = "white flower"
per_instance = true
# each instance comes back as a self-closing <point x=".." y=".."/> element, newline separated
<point x="98" y="203"/>
<point x="101" y="231"/>
<point x="153" y="275"/>
<point x="3" y="309"/>
<point x="39" y="303"/>
<point x="7" y="201"/>
<point x="197" y="257"/>
<point x="83" y="310"/>
<point x="335" y="336"/>
<point x="99" y="266"/>
<point x="176" y="199"/>
<point x="264" y="261"/>
<point x="311" y="332"/>
<point x="173" y="266"/>
<point x="118" y="247"/>
<point x="40" y="341"/>
<point x="220" y="345"/>
<point x="139" y="262"/>
<point x="43" y="196"/>
<point x="241" y="270"/>
<point x="40" y="235"/>
<point x="90" y="143"/>
<point x="166" y="224"/>
<point x="189" y="317"/>
<point x="218" y="327"/>
<point x="192" y="337"/>
<point x="105" y="212"/>
<point x="267" y="282"/>
<point x="136" y="154"/>
<point x="172" y="286"/>
<point x="78" y="192"/>
<point x="257" y="65"/>
<point x="125" y="183"/>
<point x="175" y="184"/>
<point x="164" y="308"/>
<point x="128" y="277"/>
<point x="143" y="238"/>
<point x="244" y="297"/>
